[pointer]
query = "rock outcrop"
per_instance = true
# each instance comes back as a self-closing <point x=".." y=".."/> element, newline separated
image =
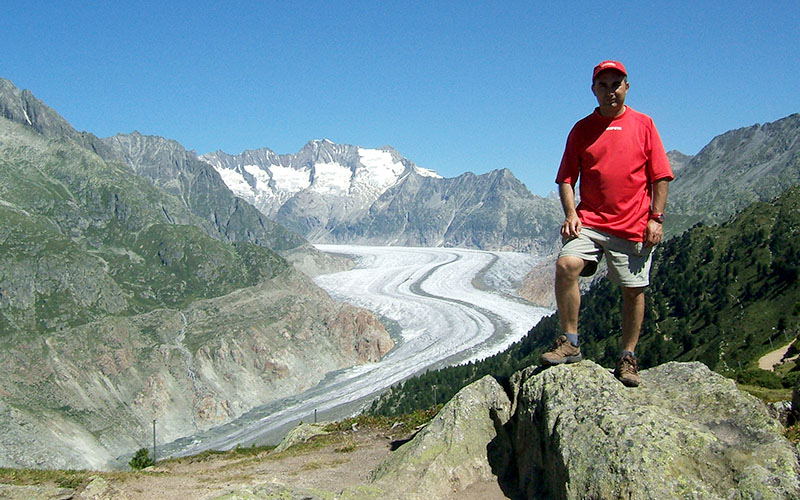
<point x="459" y="447"/>
<point x="574" y="432"/>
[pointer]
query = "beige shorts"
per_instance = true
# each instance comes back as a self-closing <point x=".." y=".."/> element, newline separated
<point x="628" y="261"/>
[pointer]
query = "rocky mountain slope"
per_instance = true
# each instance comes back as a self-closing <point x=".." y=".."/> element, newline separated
<point x="735" y="169"/>
<point x="179" y="172"/>
<point x="168" y="165"/>
<point x="336" y="193"/>
<point x="345" y="179"/>
<point x="121" y="303"/>
<point x="489" y="211"/>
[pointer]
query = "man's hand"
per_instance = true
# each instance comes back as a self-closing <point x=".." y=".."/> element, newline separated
<point x="652" y="233"/>
<point x="571" y="227"/>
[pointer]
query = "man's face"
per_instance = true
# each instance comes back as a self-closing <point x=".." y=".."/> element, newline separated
<point x="610" y="88"/>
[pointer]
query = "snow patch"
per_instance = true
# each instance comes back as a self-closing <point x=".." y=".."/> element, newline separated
<point x="331" y="178"/>
<point x="380" y="169"/>
<point x="425" y="172"/>
<point x="235" y="182"/>
<point x="290" y="179"/>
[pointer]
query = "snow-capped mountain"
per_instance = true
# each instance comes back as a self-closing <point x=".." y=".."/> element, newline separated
<point x="335" y="193"/>
<point x="324" y="184"/>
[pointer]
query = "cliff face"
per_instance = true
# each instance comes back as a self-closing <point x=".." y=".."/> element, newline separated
<point x="169" y="166"/>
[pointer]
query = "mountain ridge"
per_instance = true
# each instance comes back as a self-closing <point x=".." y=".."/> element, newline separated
<point x="380" y="197"/>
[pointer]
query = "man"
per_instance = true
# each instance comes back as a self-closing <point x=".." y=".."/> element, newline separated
<point x="624" y="174"/>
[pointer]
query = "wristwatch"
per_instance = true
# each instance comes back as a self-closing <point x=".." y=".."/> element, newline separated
<point x="657" y="216"/>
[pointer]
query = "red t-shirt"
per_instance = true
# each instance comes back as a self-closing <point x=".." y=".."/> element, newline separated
<point x="617" y="160"/>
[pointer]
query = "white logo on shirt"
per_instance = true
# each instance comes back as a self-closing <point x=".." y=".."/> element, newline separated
<point x="614" y="128"/>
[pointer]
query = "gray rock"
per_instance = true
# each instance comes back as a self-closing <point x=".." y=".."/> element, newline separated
<point x="782" y="411"/>
<point x="273" y="492"/>
<point x="99" y="489"/>
<point x="575" y="432"/>
<point x="464" y="444"/>
<point x="300" y="434"/>
<point x="687" y="432"/>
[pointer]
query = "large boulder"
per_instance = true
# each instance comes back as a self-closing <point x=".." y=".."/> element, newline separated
<point x="687" y="432"/>
<point x="300" y="434"/>
<point x="465" y="443"/>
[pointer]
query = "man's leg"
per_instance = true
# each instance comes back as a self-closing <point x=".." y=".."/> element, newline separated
<point x="568" y="294"/>
<point x="632" y="316"/>
<point x="568" y="300"/>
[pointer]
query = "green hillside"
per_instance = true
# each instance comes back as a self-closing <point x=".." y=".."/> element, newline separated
<point x="723" y="295"/>
<point x="82" y="238"/>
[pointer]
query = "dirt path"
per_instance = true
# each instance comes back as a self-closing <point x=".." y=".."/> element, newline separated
<point x="344" y="461"/>
<point x="334" y="463"/>
<point x="770" y="359"/>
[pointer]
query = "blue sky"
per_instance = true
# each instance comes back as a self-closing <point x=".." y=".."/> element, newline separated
<point x="454" y="86"/>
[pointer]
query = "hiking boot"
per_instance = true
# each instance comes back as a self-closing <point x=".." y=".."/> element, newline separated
<point x="562" y="352"/>
<point x="627" y="371"/>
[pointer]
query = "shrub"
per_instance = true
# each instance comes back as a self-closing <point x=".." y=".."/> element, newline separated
<point x="758" y="377"/>
<point x="141" y="459"/>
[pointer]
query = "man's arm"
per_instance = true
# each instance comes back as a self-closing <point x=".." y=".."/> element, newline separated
<point x="655" y="231"/>
<point x="572" y="224"/>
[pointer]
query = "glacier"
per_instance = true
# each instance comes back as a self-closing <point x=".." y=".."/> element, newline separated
<point x="445" y="306"/>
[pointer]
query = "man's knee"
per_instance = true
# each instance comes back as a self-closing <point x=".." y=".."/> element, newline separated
<point x="569" y="267"/>
<point x="633" y="293"/>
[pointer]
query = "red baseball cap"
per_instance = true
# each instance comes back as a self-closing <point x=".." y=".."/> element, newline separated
<point x="609" y="65"/>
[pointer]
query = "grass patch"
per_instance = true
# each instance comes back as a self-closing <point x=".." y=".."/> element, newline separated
<point x="320" y="465"/>
<point x="348" y="448"/>
<point x="765" y="394"/>
<point x="312" y="466"/>
<point x="234" y="453"/>
<point x="404" y="423"/>
<point x="32" y="477"/>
